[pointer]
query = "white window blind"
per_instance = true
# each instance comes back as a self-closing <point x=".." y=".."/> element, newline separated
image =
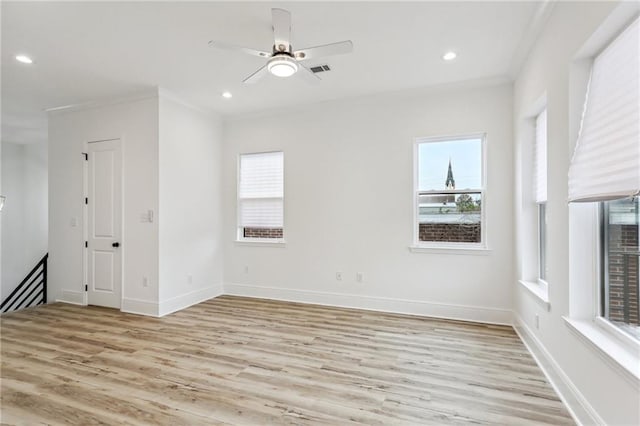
<point x="606" y="161"/>
<point x="540" y="159"/>
<point x="261" y="190"/>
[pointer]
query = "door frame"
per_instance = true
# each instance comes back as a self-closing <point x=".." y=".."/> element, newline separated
<point x="85" y="217"/>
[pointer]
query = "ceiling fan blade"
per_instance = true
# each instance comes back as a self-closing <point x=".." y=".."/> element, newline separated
<point x="253" y="78"/>
<point x="281" y="20"/>
<point x="226" y="46"/>
<point x="308" y="75"/>
<point x="339" y="48"/>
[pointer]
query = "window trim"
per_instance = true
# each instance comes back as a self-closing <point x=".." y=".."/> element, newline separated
<point x="528" y="233"/>
<point x="264" y="242"/>
<point x="601" y="305"/>
<point x="621" y="351"/>
<point x="418" y="246"/>
<point x="606" y="340"/>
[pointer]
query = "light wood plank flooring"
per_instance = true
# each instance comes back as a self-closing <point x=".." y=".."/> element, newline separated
<point x="243" y="361"/>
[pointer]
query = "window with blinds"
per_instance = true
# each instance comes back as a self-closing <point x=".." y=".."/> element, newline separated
<point x="261" y="196"/>
<point x="540" y="159"/>
<point x="606" y="161"/>
<point x="605" y="168"/>
<point x="540" y="190"/>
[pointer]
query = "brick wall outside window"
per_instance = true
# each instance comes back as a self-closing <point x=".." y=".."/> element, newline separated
<point x="450" y="232"/>
<point x="623" y="238"/>
<point x="262" y="232"/>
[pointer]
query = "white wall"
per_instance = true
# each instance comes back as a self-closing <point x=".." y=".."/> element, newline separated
<point x="24" y="218"/>
<point x="595" y="389"/>
<point x="136" y="123"/>
<point x="349" y="205"/>
<point x="190" y="215"/>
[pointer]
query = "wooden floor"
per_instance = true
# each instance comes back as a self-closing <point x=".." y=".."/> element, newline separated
<point x="246" y="361"/>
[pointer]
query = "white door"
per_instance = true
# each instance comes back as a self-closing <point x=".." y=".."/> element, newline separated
<point x="104" y="259"/>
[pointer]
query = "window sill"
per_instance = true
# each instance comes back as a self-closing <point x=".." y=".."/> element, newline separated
<point x="540" y="292"/>
<point x="261" y="243"/>
<point x="623" y="356"/>
<point x="448" y="249"/>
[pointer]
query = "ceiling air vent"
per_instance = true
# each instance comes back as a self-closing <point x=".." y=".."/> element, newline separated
<point x="320" y="68"/>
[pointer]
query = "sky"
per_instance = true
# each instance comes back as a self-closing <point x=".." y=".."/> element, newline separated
<point x="466" y="163"/>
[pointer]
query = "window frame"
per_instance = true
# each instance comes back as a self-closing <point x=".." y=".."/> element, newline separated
<point x="529" y="229"/>
<point x="461" y="247"/>
<point x="601" y="310"/>
<point x="240" y="238"/>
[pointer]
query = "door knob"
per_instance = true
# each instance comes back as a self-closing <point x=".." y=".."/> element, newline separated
<point x="116" y="244"/>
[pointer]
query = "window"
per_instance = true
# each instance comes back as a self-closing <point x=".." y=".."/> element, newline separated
<point x="605" y="169"/>
<point x="540" y="190"/>
<point x="261" y="197"/>
<point x="620" y="264"/>
<point x="542" y="241"/>
<point x="449" y="191"/>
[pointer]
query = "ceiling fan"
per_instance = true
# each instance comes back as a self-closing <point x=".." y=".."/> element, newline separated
<point x="283" y="61"/>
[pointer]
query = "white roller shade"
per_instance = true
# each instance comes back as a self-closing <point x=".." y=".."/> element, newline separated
<point x="606" y="161"/>
<point x="540" y="159"/>
<point x="261" y="189"/>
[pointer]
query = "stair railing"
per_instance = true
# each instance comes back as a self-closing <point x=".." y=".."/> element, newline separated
<point x="32" y="290"/>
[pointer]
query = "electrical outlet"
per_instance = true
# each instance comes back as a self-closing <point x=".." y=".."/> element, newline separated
<point x="359" y="277"/>
<point x="190" y="279"/>
<point x="145" y="282"/>
<point x="338" y="276"/>
<point x="537" y="322"/>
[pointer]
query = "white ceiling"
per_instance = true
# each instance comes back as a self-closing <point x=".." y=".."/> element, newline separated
<point x="86" y="51"/>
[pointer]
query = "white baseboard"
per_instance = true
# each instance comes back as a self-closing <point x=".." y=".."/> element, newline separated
<point x="401" y="306"/>
<point x="140" y="307"/>
<point x="581" y="411"/>
<point x="154" y="309"/>
<point x="185" y="300"/>
<point x="73" y="297"/>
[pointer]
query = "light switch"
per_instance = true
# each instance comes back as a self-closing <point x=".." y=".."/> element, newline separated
<point x="147" y="217"/>
<point x="73" y="222"/>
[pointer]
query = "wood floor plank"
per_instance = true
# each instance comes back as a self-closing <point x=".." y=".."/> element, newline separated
<point x="243" y="361"/>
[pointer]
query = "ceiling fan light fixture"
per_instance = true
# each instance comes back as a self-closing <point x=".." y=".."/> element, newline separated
<point x="282" y="66"/>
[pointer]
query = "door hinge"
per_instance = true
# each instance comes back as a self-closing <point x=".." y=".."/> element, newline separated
<point x="86" y="200"/>
<point x="86" y="287"/>
<point x="86" y="243"/>
<point x="86" y="156"/>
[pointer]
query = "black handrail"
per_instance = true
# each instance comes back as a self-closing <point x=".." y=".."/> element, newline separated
<point x="36" y="279"/>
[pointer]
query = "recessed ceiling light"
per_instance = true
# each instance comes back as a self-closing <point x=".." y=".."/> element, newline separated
<point x="24" y="59"/>
<point x="449" y="56"/>
<point x="227" y="95"/>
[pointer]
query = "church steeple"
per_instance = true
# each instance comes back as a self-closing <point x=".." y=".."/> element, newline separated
<point x="450" y="183"/>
